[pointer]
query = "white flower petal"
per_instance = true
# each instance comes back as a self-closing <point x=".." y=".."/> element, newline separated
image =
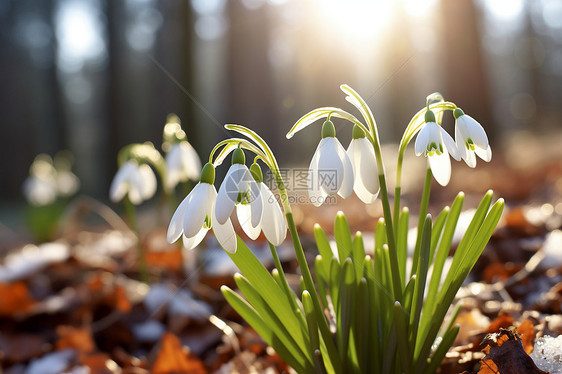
<point x="244" y="214"/>
<point x="330" y="166"/>
<point x="450" y="144"/>
<point x="191" y="162"/>
<point x="441" y="167"/>
<point x="422" y="140"/>
<point x="175" y="228"/>
<point x="368" y="172"/>
<point x="273" y="221"/>
<point x="148" y="181"/>
<point x="348" y="176"/>
<point x="120" y="184"/>
<point x="461" y="142"/>
<point x="190" y="243"/>
<point x="256" y="203"/>
<point x="225" y="234"/>
<point x="484" y="154"/>
<point x="470" y="158"/>
<point x="236" y="178"/>
<point x="475" y="131"/>
<point x="316" y="194"/>
<point x="198" y="209"/>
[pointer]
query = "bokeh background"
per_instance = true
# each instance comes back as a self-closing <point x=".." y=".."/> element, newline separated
<point x="91" y="76"/>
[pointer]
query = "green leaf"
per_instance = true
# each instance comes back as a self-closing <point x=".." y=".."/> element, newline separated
<point x="437" y="230"/>
<point x="312" y="330"/>
<point x="380" y="233"/>
<point x="442" y="349"/>
<point x="324" y="248"/>
<point x="258" y="276"/>
<point x="402" y="243"/>
<point x="252" y="317"/>
<point x="402" y="337"/>
<point x="345" y="310"/>
<point x="358" y="255"/>
<point x="421" y="277"/>
<point x="343" y="237"/>
<point x="355" y="99"/>
<point x="362" y="326"/>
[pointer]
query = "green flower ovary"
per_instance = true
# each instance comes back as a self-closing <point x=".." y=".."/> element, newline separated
<point x="244" y="197"/>
<point x="470" y="144"/>
<point x="207" y="222"/>
<point x="433" y="148"/>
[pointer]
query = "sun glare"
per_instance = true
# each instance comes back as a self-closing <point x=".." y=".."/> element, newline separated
<point x="356" y="20"/>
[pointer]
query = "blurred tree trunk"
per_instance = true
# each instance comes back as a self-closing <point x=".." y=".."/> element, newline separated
<point x="251" y="98"/>
<point x="174" y="52"/>
<point x="463" y="61"/>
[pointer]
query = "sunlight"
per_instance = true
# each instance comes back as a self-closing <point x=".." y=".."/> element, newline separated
<point x="356" y="20"/>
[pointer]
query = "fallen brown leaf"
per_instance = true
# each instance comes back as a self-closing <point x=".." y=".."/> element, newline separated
<point x="172" y="358"/>
<point x="15" y="299"/>
<point x="505" y="355"/>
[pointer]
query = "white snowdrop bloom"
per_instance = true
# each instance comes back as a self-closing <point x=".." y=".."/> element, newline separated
<point x="330" y="170"/>
<point x="471" y="139"/>
<point x="182" y="164"/>
<point x="40" y="188"/>
<point x="363" y="160"/>
<point x="40" y="191"/>
<point x="272" y="222"/>
<point x="436" y="144"/>
<point x="67" y="183"/>
<point x="136" y="181"/>
<point x="241" y="190"/>
<point x="195" y="216"/>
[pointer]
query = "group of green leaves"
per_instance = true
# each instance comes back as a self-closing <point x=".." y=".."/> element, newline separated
<point x="362" y="326"/>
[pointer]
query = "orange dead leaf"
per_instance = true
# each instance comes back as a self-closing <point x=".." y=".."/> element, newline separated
<point x="121" y="300"/>
<point x="15" y="298"/>
<point x="170" y="259"/>
<point x="505" y="355"/>
<point x="76" y="338"/>
<point x="172" y="358"/>
<point x="527" y="332"/>
<point x="502" y="322"/>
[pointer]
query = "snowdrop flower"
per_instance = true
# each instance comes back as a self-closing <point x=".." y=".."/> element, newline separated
<point x="136" y="181"/>
<point x="363" y="160"/>
<point x="471" y="139"/>
<point x="195" y="216"/>
<point x="330" y="170"/>
<point x="436" y="144"/>
<point x="272" y="222"/>
<point x="40" y="188"/>
<point x="241" y="190"/>
<point x="182" y="164"/>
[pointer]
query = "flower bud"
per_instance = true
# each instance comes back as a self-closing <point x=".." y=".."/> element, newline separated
<point x="208" y="174"/>
<point x="328" y="130"/>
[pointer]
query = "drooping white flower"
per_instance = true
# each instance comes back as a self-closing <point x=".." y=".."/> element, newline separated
<point x="272" y="222"/>
<point x="436" y="144"/>
<point x="471" y="139"/>
<point x="40" y="188"/>
<point x="330" y="170"/>
<point x="195" y="216"/>
<point x="136" y="181"/>
<point x="182" y="164"/>
<point x="363" y="160"/>
<point x="239" y="188"/>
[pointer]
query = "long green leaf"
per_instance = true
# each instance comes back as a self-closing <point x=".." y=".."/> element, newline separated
<point x="252" y="317"/>
<point x="342" y="235"/>
<point x="316" y="114"/>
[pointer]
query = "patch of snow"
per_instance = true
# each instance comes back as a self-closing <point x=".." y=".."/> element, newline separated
<point x="547" y="354"/>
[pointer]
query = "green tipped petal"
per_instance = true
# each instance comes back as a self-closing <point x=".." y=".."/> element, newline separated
<point x="458" y="112"/>
<point x="255" y="169"/>
<point x="208" y="174"/>
<point x="328" y="130"/>
<point x="429" y="116"/>
<point x="358" y="132"/>
<point x="238" y="156"/>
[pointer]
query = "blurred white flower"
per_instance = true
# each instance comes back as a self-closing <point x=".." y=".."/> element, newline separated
<point x="436" y="144"/>
<point x="471" y="139"/>
<point x="47" y="181"/>
<point x="182" y="164"/>
<point x="363" y="160"/>
<point x="330" y="170"/>
<point x="136" y="181"/>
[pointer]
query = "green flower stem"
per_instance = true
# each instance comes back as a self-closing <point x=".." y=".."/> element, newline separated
<point x="131" y="212"/>
<point x="423" y="212"/>
<point x="309" y="284"/>
<point x="284" y="284"/>
<point x="398" y="188"/>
